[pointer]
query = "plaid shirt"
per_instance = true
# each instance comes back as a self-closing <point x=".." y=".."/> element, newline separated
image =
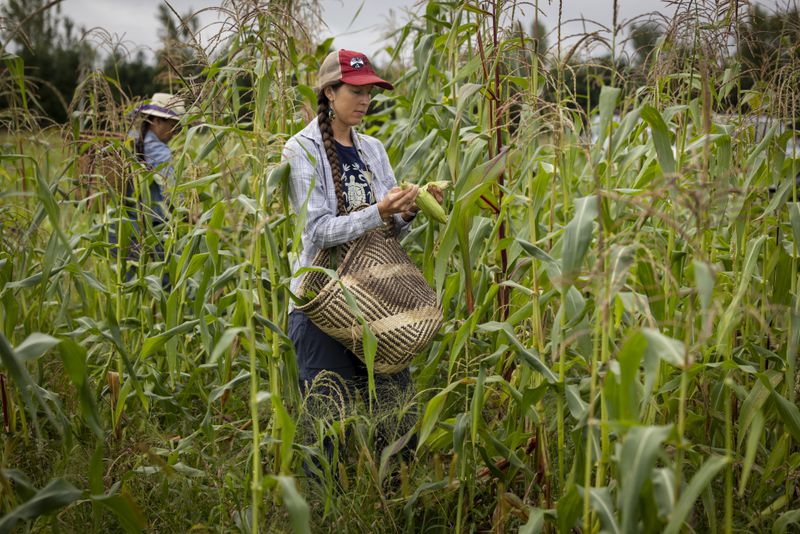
<point x="324" y="229"/>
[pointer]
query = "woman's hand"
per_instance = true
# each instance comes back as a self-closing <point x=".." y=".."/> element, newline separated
<point x="398" y="201"/>
<point x="437" y="193"/>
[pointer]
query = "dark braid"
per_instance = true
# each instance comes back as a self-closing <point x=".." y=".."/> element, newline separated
<point x="326" y="129"/>
<point x="140" y="141"/>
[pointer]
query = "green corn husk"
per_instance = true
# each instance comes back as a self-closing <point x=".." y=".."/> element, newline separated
<point x="427" y="202"/>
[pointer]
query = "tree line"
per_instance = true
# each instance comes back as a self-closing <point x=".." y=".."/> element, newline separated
<point x="759" y="48"/>
<point x="56" y="55"/>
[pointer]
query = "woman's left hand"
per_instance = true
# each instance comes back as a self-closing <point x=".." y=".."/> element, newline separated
<point x="437" y="193"/>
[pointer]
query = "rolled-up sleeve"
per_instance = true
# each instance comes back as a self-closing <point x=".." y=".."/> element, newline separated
<point x="323" y="227"/>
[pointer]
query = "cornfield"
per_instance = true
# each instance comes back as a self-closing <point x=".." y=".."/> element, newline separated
<point x="619" y="284"/>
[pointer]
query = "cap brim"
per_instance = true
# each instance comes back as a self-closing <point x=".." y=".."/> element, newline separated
<point x="367" y="79"/>
<point x="156" y="113"/>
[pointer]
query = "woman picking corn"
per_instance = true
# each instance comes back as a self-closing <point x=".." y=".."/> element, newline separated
<point x="350" y="189"/>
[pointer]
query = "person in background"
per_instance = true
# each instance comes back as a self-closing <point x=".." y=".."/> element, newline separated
<point x="160" y="122"/>
<point x="148" y="209"/>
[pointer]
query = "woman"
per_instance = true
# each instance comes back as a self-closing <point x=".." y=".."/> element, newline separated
<point x="329" y="160"/>
<point x="160" y="120"/>
<point x="149" y="208"/>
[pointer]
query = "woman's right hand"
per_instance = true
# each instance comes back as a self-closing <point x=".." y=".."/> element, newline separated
<point x="398" y="201"/>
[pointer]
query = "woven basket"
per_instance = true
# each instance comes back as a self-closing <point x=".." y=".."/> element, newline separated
<point x="396" y="301"/>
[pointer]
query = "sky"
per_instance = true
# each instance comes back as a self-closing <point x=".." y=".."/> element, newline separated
<point x="135" y="23"/>
<point x="354" y="24"/>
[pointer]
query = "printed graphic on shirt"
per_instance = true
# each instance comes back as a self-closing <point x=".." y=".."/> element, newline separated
<point x="356" y="186"/>
<point x="357" y="191"/>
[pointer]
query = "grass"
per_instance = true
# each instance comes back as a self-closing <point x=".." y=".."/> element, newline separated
<point x="619" y="352"/>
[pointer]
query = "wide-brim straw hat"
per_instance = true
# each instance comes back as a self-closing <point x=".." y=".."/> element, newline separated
<point x="349" y="67"/>
<point x="163" y="105"/>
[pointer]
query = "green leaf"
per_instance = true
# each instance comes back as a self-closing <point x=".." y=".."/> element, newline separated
<point x="225" y="341"/>
<point x="397" y="446"/>
<point x="535" y="251"/>
<point x="481" y="178"/>
<point x="600" y="499"/>
<point x="622" y="258"/>
<point x="369" y="344"/>
<point x="689" y="495"/>
<point x="630" y="357"/>
<point x="661" y="138"/>
<point x="755" y="400"/>
<point x="728" y="321"/>
<point x="787" y="518"/>
<point x="568" y="508"/>
<point x="779" y="198"/>
<point x="789" y="413"/>
<point x="213" y="234"/>
<point x="704" y="280"/>
<point x="27" y="388"/>
<point x="607" y="104"/>
<point x="465" y="93"/>
<point x="153" y="343"/>
<point x="217" y="392"/>
<point x="666" y="348"/>
<point x="57" y="494"/>
<point x="296" y="505"/>
<point x="196" y="184"/>
<point x="22" y="485"/>
<point x="794" y="217"/>
<point x="34" y="346"/>
<point x="287" y="427"/>
<point x="750" y="451"/>
<point x="636" y="461"/>
<point x="414" y="153"/>
<point x="664" y="490"/>
<point x="528" y="356"/>
<point x="477" y="403"/>
<point x="577" y="237"/>
<point x="578" y="408"/>
<point x="308" y="94"/>
<point x="74" y="358"/>
<point x="427" y="487"/>
<point x="460" y="432"/>
<point x="128" y="514"/>
<point x="96" y="470"/>
<point x="431" y="416"/>
<point x="535" y="523"/>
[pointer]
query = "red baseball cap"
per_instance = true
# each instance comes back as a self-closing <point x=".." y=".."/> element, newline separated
<point x="349" y="67"/>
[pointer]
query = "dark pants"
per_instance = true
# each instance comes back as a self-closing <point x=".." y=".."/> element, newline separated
<point x="153" y="210"/>
<point x="332" y="378"/>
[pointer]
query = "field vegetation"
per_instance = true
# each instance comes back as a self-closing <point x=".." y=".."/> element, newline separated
<point x="618" y="273"/>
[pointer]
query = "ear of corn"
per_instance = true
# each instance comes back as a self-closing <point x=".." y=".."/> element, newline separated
<point x="427" y="203"/>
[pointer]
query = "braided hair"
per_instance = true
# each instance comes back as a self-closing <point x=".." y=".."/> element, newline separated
<point x="139" y="147"/>
<point x="326" y="129"/>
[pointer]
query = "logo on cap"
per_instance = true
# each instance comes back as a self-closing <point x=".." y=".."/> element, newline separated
<point x="357" y="62"/>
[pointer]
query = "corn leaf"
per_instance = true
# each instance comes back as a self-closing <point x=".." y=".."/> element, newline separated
<point x="636" y="461"/>
<point x="700" y="481"/>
